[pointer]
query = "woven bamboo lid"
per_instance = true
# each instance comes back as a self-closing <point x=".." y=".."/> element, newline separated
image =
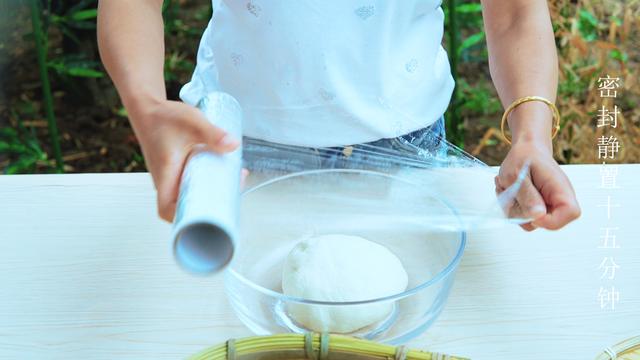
<point x="626" y="350"/>
<point x="314" y="347"/>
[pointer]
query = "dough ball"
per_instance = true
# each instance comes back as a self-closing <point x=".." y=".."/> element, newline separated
<point x="341" y="268"/>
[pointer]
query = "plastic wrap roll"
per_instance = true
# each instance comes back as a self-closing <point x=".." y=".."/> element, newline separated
<point x="205" y="227"/>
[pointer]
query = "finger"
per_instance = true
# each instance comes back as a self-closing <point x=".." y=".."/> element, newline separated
<point x="166" y="205"/>
<point x="166" y="209"/>
<point x="215" y="138"/>
<point x="559" y="216"/>
<point x="528" y="226"/>
<point x="531" y="205"/>
<point x="528" y="202"/>
<point x="506" y="206"/>
<point x="562" y="202"/>
<point x="167" y="196"/>
<point x="167" y="189"/>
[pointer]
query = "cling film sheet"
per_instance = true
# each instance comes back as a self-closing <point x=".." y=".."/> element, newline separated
<point x="430" y="184"/>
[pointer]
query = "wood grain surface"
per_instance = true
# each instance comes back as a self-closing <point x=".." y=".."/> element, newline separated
<point x="86" y="271"/>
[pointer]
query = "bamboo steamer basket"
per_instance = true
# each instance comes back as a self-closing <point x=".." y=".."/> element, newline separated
<point x="626" y="350"/>
<point x="313" y="347"/>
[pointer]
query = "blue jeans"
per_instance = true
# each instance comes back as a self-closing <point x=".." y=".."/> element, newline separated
<point x="420" y="144"/>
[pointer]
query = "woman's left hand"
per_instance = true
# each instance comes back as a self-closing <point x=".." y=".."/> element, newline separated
<point x="546" y="194"/>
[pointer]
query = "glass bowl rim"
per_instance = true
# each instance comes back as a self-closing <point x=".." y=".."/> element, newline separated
<point x="453" y="263"/>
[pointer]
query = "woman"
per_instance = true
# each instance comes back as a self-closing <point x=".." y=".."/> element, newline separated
<point x="335" y="73"/>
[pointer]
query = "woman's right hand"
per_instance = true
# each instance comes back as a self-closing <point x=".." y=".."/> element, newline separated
<point x="167" y="132"/>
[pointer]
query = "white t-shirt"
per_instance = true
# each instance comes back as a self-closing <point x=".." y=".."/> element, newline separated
<point x="326" y="73"/>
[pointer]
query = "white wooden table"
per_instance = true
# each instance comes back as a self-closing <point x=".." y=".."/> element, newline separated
<point x="86" y="271"/>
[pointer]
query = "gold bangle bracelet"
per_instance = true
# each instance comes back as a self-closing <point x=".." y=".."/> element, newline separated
<point x="552" y="106"/>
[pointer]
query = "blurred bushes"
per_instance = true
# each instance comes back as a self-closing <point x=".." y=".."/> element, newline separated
<point x="594" y="38"/>
<point x="94" y="134"/>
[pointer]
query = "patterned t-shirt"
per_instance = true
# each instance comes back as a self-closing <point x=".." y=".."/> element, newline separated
<point x="326" y="73"/>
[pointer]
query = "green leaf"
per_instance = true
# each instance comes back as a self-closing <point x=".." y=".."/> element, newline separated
<point x="122" y="112"/>
<point x="619" y="55"/>
<point x="469" y="8"/>
<point x="84" y="72"/>
<point x="8" y="132"/>
<point x="588" y="25"/>
<point x="13" y="148"/>
<point x="588" y="17"/>
<point x="84" y="15"/>
<point x="21" y="165"/>
<point x="82" y="4"/>
<point x="471" y="41"/>
<point x="166" y="4"/>
<point x="33" y="145"/>
<point x="56" y="19"/>
<point x="76" y="66"/>
<point x="4" y="147"/>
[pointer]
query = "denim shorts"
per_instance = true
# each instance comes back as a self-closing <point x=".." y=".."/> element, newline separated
<point x="424" y="143"/>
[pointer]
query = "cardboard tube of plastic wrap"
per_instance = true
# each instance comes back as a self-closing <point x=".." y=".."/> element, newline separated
<point x="205" y="227"/>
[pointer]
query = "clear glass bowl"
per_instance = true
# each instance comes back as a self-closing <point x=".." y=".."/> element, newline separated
<point x="380" y="207"/>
